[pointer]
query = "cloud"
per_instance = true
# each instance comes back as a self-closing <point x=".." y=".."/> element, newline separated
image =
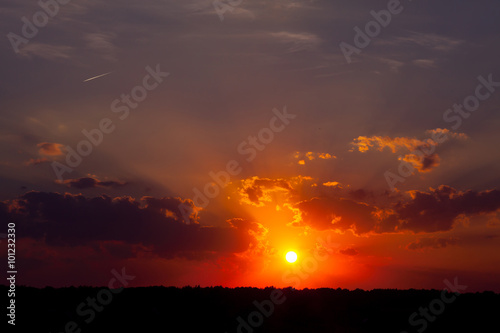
<point x="349" y="252"/>
<point x="89" y="182"/>
<point x="394" y="65"/>
<point x="45" y="149"/>
<point x="423" y="212"/>
<point x="424" y="63"/>
<point x="427" y="41"/>
<point x="418" y="155"/>
<point x="50" y="149"/>
<point x="303" y="156"/>
<point x="36" y="161"/>
<point x="121" y="222"/>
<point x="297" y="41"/>
<point x="337" y="214"/>
<point x="101" y="43"/>
<point x="425" y="164"/>
<point x="255" y="191"/>
<point x="449" y="134"/>
<point x="208" y="8"/>
<point x="431" y="41"/>
<point x="46" y="51"/>
<point x="332" y="184"/>
<point x="365" y="143"/>
<point x="437" y="209"/>
<point x="433" y="243"/>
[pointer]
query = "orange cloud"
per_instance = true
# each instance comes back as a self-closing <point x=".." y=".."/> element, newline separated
<point x="255" y="191"/>
<point x="421" y="156"/>
<point x="336" y="214"/>
<point x="448" y="133"/>
<point x="302" y="157"/>
<point x="422" y="164"/>
<point x="50" y="149"/>
<point x="46" y="149"/>
<point x="332" y="184"/>
<point x="364" y="143"/>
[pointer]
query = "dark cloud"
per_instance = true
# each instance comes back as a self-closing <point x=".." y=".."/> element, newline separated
<point x="432" y="211"/>
<point x="433" y="243"/>
<point x="119" y="249"/>
<point x="123" y="224"/>
<point x="90" y="182"/>
<point x="437" y="209"/>
<point x="349" y="252"/>
<point x="429" y="162"/>
<point x="359" y="194"/>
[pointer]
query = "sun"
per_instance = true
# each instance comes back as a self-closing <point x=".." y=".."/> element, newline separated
<point x="291" y="257"/>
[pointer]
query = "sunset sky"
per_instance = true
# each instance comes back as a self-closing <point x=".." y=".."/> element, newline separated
<point x="379" y="169"/>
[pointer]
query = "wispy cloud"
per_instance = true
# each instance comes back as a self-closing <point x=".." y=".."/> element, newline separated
<point x="46" y="51"/>
<point x="90" y="182"/>
<point x="36" y="161"/>
<point x="101" y="43"/>
<point x="424" y="63"/>
<point x="427" y="40"/>
<point x="297" y="41"/>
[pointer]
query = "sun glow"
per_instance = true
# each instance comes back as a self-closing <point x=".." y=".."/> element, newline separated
<point x="291" y="257"/>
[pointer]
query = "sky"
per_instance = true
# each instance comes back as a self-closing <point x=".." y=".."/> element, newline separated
<point x="197" y="142"/>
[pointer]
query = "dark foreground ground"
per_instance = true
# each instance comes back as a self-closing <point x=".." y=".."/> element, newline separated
<point x="217" y="309"/>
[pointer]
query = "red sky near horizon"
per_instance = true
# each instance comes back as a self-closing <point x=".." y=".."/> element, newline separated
<point x="194" y="151"/>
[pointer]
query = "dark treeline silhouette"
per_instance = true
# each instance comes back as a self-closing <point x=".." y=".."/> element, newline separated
<point x="218" y="309"/>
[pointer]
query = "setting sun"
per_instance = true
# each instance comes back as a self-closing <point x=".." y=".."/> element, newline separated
<point x="291" y="257"/>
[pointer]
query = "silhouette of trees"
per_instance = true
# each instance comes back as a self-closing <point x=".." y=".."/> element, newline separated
<point x="216" y="309"/>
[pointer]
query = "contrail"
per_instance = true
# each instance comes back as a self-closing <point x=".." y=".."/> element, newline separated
<point x="96" y="77"/>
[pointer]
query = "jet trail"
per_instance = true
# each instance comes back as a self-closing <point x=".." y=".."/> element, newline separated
<point x="96" y="77"/>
